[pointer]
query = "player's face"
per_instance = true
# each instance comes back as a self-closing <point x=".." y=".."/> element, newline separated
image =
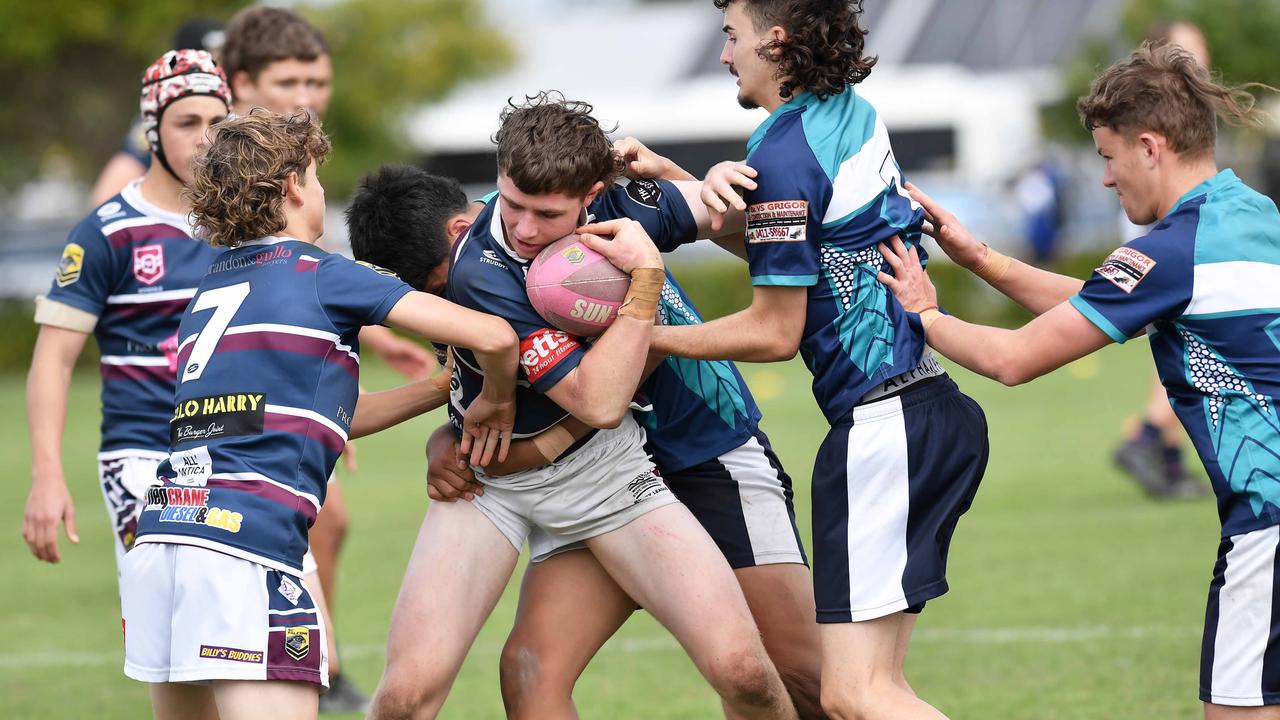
<point x="437" y="280"/>
<point x="321" y="84"/>
<point x="1128" y="171"/>
<point x="184" y="130"/>
<point x="533" y="222"/>
<point x="757" y="78"/>
<point x="282" y="87"/>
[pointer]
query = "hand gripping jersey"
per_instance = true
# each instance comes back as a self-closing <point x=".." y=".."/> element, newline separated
<point x="270" y="365"/>
<point x="1206" y="283"/>
<point x="133" y="267"/>
<point x="829" y="191"/>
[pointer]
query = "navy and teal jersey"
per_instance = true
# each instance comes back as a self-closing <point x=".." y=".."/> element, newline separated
<point x="487" y="275"/>
<point x="1205" y="283"/>
<point x="698" y="409"/>
<point x="269" y="371"/>
<point x="134" y="267"/>
<point x="829" y="191"/>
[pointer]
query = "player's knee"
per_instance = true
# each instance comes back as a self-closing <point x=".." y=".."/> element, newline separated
<point x="802" y="679"/>
<point x="745" y="678"/>
<point x="851" y="702"/>
<point x="517" y="671"/>
<point x="406" y="695"/>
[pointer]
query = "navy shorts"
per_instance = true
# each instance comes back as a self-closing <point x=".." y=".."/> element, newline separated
<point x="1240" y="652"/>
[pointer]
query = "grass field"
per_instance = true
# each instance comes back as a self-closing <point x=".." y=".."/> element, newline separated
<point x="1072" y="595"/>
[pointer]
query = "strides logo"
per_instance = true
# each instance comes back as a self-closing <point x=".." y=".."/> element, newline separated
<point x="543" y="350"/>
<point x="218" y="416"/>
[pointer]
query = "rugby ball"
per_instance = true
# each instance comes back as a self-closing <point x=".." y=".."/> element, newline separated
<point x="575" y="288"/>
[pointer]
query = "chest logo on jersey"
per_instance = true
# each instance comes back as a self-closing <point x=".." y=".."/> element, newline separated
<point x="148" y="263"/>
<point x="543" y="350"/>
<point x="70" y="265"/>
<point x="217" y="416"/>
<point x="777" y="221"/>
<point x="1125" y="268"/>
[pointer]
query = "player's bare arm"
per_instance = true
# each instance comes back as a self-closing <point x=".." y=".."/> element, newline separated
<point x="769" y="330"/>
<point x="1011" y="357"/>
<point x="49" y="503"/>
<point x="1034" y="289"/>
<point x="598" y="391"/>
<point x="641" y="162"/>
<point x="377" y="411"/>
<point x="490" y="419"/>
<point x="403" y="355"/>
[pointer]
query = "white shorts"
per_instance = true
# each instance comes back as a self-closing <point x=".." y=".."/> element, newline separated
<point x="601" y="487"/>
<point x="1240" y="651"/>
<point x="191" y="614"/>
<point x="124" y="476"/>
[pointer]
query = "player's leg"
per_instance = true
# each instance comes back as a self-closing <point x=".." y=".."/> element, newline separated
<point x="326" y="537"/>
<point x="1240" y="652"/>
<point x="666" y="561"/>
<point x="861" y="677"/>
<point x="183" y="701"/>
<point x="569" y="607"/>
<point x="905" y="628"/>
<point x="247" y="699"/>
<point x="781" y="601"/>
<point x="460" y="564"/>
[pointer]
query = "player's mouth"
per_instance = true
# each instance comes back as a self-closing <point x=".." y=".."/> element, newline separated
<point x="524" y="249"/>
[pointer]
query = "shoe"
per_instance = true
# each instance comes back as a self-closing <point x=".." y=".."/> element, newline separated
<point x="343" y="697"/>
<point x="1144" y="462"/>
<point x="1185" y="485"/>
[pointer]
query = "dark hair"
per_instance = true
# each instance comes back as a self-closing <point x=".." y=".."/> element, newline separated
<point x="549" y="144"/>
<point x="823" y="49"/>
<point x="1161" y="88"/>
<point x="397" y="220"/>
<point x="259" y="35"/>
<point x="238" y="190"/>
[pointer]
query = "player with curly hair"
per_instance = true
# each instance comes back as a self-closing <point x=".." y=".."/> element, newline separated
<point x="906" y="449"/>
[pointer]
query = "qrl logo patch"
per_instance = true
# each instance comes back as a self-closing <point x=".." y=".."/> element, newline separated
<point x="70" y="265"/>
<point x="543" y="350"/>
<point x="148" y="264"/>
<point x="297" y="642"/>
<point x="1125" y="268"/>
<point x="777" y="221"/>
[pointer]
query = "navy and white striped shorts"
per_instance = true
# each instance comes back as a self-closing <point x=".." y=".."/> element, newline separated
<point x="1240" y="654"/>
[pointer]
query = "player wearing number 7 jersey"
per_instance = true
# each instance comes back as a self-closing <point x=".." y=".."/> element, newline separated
<point x="267" y="396"/>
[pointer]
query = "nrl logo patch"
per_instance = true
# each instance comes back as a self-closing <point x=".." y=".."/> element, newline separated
<point x="70" y="265"/>
<point x="1125" y="268"/>
<point x="297" y="642"/>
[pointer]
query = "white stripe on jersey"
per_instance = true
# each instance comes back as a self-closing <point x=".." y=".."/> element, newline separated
<point x="1234" y="286"/>
<point x="135" y="360"/>
<point x="863" y="176"/>
<point x="257" y="477"/>
<point x="310" y="415"/>
<point x="143" y="298"/>
<point x="1244" y="617"/>
<point x="115" y="227"/>
<point x="284" y="330"/>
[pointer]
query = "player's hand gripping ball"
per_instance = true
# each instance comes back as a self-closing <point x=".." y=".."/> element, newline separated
<point x="575" y="288"/>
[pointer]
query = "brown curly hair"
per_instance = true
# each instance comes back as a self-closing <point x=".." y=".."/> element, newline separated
<point x="549" y="144"/>
<point x="238" y="190"/>
<point x="1161" y="88"/>
<point x="822" y="52"/>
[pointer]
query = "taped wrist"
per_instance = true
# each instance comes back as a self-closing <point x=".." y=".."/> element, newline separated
<point x="552" y="443"/>
<point x="642" y="298"/>
<point x="993" y="267"/>
<point x="928" y="317"/>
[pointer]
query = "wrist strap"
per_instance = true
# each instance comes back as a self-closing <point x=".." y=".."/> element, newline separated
<point x="642" y="298"/>
<point x="993" y="267"/>
<point x="928" y="317"/>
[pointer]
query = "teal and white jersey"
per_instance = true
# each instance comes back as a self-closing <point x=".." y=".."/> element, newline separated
<point x="1205" y="282"/>
<point x="829" y="192"/>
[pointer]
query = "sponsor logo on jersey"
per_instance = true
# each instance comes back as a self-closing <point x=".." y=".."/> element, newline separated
<point x="1125" y="268"/>
<point x="378" y="269"/>
<point x="216" y="652"/>
<point x="543" y="350"/>
<point x="70" y="265"/>
<point x="218" y="416"/>
<point x="646" y="485"/>
<point x="645" y="192"/>
<point x="190" y="506"/>
<point x="275" y="256"/>
<point x="110" y="210"/>
<point x="193" y="467"/>
<point x="290" y="590"/>
<point x="489" y="257"/>
<point x="148" y="263"/>
<point x="297" y="642"/>
<point x="777" y="221"/>
<point x="573" y="254"/>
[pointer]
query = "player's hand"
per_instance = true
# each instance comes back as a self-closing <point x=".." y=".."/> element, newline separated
<point x="487" y="427"/>
<point x="630" y="246"/>
<point x="349" y="457"/>
<point x="449" y="478"/>
<point x="720" y="189"/>
<point x="909" y="282"/>
<point x="638" y="161"/>
<point x="951" y="236"/>
<point x="48" y="506"/>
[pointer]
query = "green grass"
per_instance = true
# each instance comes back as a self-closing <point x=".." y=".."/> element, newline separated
<point x="1072" y="595"/>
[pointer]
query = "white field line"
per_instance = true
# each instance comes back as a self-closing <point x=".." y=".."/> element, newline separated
<point x="663" y="643"/>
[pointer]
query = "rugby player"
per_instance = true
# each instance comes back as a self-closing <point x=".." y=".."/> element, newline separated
<point x="1203" y="285"/>
<point x="126" y="274"/>
<point x="702" y="432"/>
<point x="906" y="449"/>
<point x="554" y="162"/>
<point x="266" y="400"/>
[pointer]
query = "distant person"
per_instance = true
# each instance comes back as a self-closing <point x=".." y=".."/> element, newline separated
<point x="1040" y="193"/>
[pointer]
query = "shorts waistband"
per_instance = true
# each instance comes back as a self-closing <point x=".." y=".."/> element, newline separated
<point x="923" y="391"/>
<point x="929" y="367"/>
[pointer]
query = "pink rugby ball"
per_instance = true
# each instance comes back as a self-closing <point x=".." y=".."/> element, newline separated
<point x="575" y="288"/>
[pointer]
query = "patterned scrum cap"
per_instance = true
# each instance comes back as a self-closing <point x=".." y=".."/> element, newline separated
<point x="178" y="74"/>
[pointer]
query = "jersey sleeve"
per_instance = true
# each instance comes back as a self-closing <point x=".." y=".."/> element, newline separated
<point x="546" y="353"/>
<point x="784" y="219"/>
<point x="356" y="294"/>
<point x="1146" y="280"/>
<point x="658" y="205"/>
<point x="87" y="271"/>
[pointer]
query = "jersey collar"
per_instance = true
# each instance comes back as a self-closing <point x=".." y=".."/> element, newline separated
<point x="132" y="194"/>
<point x="1217" y="182"/>
<point x="268" y="240"/>
<point x="796" y="102"/>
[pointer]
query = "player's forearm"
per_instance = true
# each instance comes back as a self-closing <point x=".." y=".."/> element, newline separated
<point x="991" y="352"/>
<point x="378" y="411"/>
<point x="47" y="385"/>
<point x="598" y="392"/>
<point x="742" y="336"/>
<point x="540" y="450"/>
<point x="1034" y="289"/>
<point x="735" y="220"/>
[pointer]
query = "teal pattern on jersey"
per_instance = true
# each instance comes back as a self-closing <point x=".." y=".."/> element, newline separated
<point x="866" y="332"/>
<point x="711" y="380"/>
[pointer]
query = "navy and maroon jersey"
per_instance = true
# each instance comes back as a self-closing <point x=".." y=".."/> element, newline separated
<point x="133" y="267"/>
<point x="269" y="370"/>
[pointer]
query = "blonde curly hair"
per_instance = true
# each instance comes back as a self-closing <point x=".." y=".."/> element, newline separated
<point x="238" y="190"/>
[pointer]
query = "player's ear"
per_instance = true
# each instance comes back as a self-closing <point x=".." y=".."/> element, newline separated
<point x="242" y="86"/>
<point x="455" y="227"/>
<point x="1152" y="146"/>
<point x="776" y="36"/>
<point x="293" y="189"/>
<point x="593" y="193"/>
